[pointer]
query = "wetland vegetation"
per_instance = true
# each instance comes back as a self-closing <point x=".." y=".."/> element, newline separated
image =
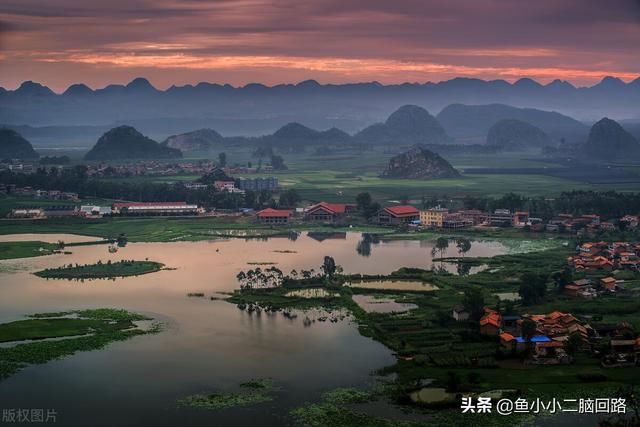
<point x="101" y="270"/>
<point x="12" y="250"/>
<point x="43" y="337"/>
<point x="452" y="356"/>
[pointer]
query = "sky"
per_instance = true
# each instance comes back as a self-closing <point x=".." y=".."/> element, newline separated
<point x="177" y="42"/>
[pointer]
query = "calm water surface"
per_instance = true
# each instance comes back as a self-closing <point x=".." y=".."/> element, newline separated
<point x="206" y="345"/>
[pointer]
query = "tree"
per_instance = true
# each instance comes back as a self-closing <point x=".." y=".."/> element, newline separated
<point x="463" y="245"/>
<point x="529" y="328"/>
<point x="328" y="267"/>
<point x="264" y="198"/>
<point x="289" y="198"/>
<point x="563" y="278"/>
<point x="533" y="288"/>
<point x="364" y="245"/>
<point x="574" y="343"/>
<point x="363" y="200"/>
<point x="453" y="382"/>
<point x="442" y="244"/>
<point x="222" y="159"/>
<point x="473" y="302"/>
<point x="277" y="162"/>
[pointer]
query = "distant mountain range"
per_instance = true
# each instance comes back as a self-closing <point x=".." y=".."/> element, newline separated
<point x="256" y="109"/>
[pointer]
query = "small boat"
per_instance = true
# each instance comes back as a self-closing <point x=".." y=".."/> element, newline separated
<point x="113" y="249"/>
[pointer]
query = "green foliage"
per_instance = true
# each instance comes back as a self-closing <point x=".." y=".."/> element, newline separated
<point x="98" y="329"/>
<point x="11" y="250"/>
<point x="101" y="270"/>
<point x="253" y="392"/>
<point x="289" y="198"/>
<point x="473" y="301"/>
<point x="341" y="396"/>
<point x="533" y="288"/>
<point x="223" y="401"/>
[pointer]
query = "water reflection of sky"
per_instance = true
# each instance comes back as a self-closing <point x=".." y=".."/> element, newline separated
<point x="208" y="345"/>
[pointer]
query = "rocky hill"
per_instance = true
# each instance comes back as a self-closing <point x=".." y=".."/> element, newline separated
<point x="419" y="163"/>
<point x="515" y="135"/>
<point x="14" y="146"/>
<point x="610" y="141"/>
<point x="472" y="122"/>
<point x="409" y="124"/>
<point x="295" y="134"/>
<point x="125" y="142"/>
<point x="198" y="140"/>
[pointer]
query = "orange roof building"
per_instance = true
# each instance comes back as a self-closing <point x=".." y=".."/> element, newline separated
<point x="404" y="214"/>
<point x="274" y="216"/>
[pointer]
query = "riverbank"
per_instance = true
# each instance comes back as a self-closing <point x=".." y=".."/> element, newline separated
<point x="170" y="229"/>
<point x="101" y="270"/>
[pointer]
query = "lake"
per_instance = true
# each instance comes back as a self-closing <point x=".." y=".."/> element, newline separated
<point x="207" y="345"/>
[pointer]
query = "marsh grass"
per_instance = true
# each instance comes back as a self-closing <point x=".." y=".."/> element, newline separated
<point x="252" y="392"/>
<point x="98" y="328"/>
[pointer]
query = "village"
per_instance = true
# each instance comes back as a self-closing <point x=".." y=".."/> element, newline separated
<point x="340" y="214"/>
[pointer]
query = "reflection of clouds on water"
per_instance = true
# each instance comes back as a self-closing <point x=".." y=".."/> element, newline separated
<point x="208" y="342"/>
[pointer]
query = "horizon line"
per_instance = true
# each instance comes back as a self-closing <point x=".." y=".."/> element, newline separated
<point x="510" y="82"/>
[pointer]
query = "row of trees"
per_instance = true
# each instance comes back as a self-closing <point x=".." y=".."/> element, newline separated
<point x="273" y="277"/>
<point x="75" y="179"/>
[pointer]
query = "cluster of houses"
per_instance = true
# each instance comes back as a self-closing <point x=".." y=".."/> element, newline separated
<point x="588" y="289"/>
<point x="331" y="213"/>
<point x="582" y="224"/>
<point x="239" y="186"/>
<point x="606" y="256"/>
<point x="17" y="166"/>
<point x="223" y="186"/>
<point x="442" y="218"/>
<point x="549" y="342"/>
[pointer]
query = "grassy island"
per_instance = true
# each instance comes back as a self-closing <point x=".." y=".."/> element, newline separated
<point x="44" y="337"/>
<point x="101" y="270"/>
<point x="12" y="250"/>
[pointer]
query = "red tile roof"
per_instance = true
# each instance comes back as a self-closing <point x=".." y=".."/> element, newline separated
<point x="399" y="211"/>
<point x="505" y="336"/>
<point x="270" y="213"/>
<point x="492" y="319"/>
<point x="335" y="208"/>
